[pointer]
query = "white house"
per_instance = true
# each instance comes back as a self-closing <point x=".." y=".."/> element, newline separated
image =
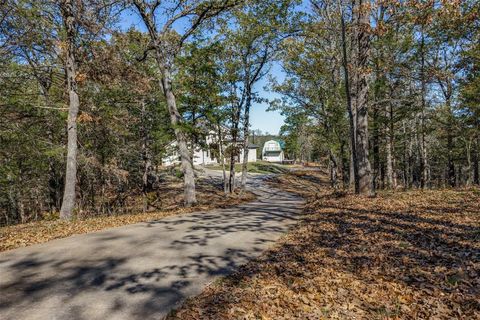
<point x="252" y="153"/>
<point x="273" y="151"/>
<point x="202" y="155"/>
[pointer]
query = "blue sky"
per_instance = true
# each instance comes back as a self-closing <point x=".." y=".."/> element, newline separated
<point x="266" y="121"/>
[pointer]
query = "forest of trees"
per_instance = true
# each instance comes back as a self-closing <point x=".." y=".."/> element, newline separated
<point x="384" y="92"/>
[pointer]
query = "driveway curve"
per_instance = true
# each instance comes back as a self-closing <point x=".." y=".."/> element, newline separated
<point x="144" y="270"/>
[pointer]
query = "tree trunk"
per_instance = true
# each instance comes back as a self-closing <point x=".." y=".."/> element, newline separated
<point x="364" y="169"/>
<point x="68" y="202"/>
<point x="222" y="159"/>
<point x="475" y="160"/>
<point x="376" y="147"/>
<point x="176" y="120"/>
<point x="405" y="156"/>
<point x="389" y="147"/>
<point x="231" y="177"/>
<point x="410" y="160"/>
<point x="389" y="165"/>
<point x="333" y="170"/>
<point x="344" y="164"/>
<point x="163" y="59"/>
<point x="246" y="125"/>
<point x="351" y="167"/>
<point x="423" y="147"/>
<point x="359" y="98"/>
<point x="12" y="195"/>
<point x="235" y="123"/>
<point x="468" y="150"/>
<point x="147" y="162"/>
<point x="450" y="164"/>
<point x="351" y="112"/>
<point x="244" y="164"/>
<point x="424" y="154"/>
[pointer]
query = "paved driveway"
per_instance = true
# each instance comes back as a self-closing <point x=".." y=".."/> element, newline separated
<point x="144" y="270"/>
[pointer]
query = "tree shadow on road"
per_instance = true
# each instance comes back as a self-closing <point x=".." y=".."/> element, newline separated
<point x="137" y="273"/>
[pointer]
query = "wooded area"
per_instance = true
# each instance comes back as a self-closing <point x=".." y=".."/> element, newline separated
<point x="386" y="93"/>
<point x="407" y="72"/>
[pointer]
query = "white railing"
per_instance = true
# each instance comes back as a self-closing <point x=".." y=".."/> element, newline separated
<point x="272" y="148"/>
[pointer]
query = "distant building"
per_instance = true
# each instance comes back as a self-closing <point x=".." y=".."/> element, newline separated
<point x="273" y="151"/>
<point x="252" y="153"/>
<point x="203" y="155"/>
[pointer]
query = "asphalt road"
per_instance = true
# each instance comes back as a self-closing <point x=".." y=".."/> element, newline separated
<point x="144" y="270"/>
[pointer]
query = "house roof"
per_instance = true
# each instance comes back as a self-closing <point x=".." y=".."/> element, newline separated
<point x="280" y="142"/>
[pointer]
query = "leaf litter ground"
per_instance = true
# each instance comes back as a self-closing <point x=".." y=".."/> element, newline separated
<point x="400" y="255"/>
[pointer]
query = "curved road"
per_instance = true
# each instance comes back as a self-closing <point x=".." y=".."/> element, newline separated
<point x="144" y="270"/>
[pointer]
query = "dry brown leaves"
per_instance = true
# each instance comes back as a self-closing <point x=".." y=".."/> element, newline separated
<point x="169" y="204"/>
<point x="402" y="255"/>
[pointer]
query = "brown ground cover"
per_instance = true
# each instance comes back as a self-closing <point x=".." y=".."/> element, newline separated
<point x="168" y="202"/>
<point x="401" y="255"/>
